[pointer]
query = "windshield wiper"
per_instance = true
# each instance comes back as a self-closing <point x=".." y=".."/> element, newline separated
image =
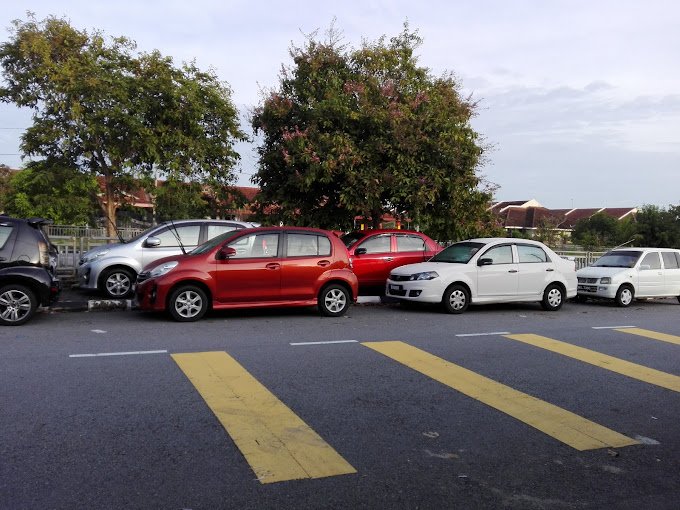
<point x="175" y="233"/>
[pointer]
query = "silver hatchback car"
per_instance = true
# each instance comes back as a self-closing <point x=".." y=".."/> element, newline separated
<point x="112" y="268"/>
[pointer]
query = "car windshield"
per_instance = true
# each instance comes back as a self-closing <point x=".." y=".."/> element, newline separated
<point x="618" y="259"/>
<point x="458" y="253"/>
<point x="352" y="238"/>
<point x="215" y="241"/>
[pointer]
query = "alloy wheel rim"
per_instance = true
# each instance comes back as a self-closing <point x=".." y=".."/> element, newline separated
<point x="14" y="305"/>
<point x="335" y="301"/>
<point x="626" y="296"/>
<point x="188" y="304"/>
<point x="118" y="284"/>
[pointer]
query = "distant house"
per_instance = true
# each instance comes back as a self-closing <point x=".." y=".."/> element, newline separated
<point x="528" y="216"/>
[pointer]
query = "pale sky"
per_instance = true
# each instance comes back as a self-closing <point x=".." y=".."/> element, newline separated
<point x="580" y="99"/>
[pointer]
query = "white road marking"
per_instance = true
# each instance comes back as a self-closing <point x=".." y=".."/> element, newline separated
<point x="115" y="354"/>
<point x="485" y="334"/>
<point x="612" y="327"/>
<point x="98" y="331"/>
<point x="325" y="343"/>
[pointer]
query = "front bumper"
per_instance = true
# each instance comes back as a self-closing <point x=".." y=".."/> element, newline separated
<point x="87" y="276"/>
<point x="597" y="290"/>
<point x="424" y="291"/>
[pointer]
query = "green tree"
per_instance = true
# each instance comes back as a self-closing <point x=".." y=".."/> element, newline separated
<point x="369" y="131"/>
<point x="5" y="176"/>
<point x="180" y="200"/>
<point x="658" y="227"/>
<point x="53" y="190"/>
<point x="598" y="231"/>
<point x="111" y="112"/>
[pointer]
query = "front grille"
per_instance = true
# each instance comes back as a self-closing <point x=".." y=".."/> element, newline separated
<point x="587" y="280"/>
<point x="400" y="278"/>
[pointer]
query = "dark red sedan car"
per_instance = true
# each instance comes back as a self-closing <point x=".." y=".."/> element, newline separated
<point x="374" y="253"/>
<point x="254" y="267"/>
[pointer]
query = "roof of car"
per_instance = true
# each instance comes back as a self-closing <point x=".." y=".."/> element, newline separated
<point x="385" y="231"/>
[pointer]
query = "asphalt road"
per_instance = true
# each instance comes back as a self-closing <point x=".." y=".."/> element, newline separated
<point x="98" y="412"/>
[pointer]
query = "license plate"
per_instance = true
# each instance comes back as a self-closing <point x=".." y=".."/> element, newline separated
<point x="588" y="288"/>
<point x="395" y="287"/>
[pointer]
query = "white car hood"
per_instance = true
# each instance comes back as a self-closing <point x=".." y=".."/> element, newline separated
<point x="422" y="267"/>
<point x="599" y="272"/>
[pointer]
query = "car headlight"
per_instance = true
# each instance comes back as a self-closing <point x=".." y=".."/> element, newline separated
<point x="93" y="256"/>
<point x="428" y="275"/>
<point x="162" y="269"/>
<point x="606" y="280"/>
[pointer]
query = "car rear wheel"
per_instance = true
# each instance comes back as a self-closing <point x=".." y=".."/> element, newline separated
<point x="334" y="300"/>
<point x="624" y="296"/>
<point x="118" y="283"/>
<point x="188" y="303"/>
<point x="17" y="304"/>
<point x="456" y="299"/>
<point x="552" y="298"/>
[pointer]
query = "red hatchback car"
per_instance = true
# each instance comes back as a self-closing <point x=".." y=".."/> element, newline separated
<point x="254" y="267"/>
<point x="374" y="253"/>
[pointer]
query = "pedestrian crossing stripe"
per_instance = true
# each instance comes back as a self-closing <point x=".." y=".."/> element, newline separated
<point x="565" y="426"/>
<point x="664" y="337"/>
<point x="276" y="443"/>
<point x="598" y="359"/>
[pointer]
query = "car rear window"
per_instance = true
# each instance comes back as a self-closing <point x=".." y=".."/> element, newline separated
<point x="410" y="243"/>
<point x="5" y="232"/>
<point x="670" y="260"/>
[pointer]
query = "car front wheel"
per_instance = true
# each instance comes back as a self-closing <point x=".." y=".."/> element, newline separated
<point x="456" y="299"/>
<point x="624" y="296"/>
<point x="187" y="303"/>
<point x="552" y="298"/>
<point x="17" y="304"/>
<point x="118" y="283"/>
<point x="334" y="300"/>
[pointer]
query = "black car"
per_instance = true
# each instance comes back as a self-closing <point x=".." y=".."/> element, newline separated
<point x="27" y="269"/>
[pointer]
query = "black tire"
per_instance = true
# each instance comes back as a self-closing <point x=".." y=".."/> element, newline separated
<point x="17" y="304"/>
<point x="624" y="296"/>
<point x="456" y="299"/>
<point x="187" y="303"/>
<point x="118" y="283"/>
<point x="334" y="300"/>
<point x="553" y="298"/>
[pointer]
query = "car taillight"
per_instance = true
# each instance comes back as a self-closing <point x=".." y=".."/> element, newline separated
<point x="44" y="254"/>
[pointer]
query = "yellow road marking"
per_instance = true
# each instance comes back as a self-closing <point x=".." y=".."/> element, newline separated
<point x="639" y="372"/>
<point x="664" y="337"/>
<point x="277" y="444"/>
<point x="563" y="425"/>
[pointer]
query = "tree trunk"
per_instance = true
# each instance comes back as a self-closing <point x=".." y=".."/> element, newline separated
<point x="109" y="208"/>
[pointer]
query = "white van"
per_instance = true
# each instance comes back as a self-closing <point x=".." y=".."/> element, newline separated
<point x="624" y="274"/>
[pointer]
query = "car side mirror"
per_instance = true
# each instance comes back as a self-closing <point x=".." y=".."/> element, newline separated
<point x="484" y="262"/>
<point x="225" y="253"/>
<point x="360" y="251"/>
<point x="152" y="242"/>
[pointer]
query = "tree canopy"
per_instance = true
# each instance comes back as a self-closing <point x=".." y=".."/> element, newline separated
<point x="369" y="131"/>
<point x="108" y="111"/>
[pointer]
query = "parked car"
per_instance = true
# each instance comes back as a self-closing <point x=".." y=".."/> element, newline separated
<point x="624" y="274"/>
<point x="374" y="253"/>
<point x="480" y="271"/>
<point x="252" y="268"/>
<point x="112" y="268"/>
<point x="27" y="269"/>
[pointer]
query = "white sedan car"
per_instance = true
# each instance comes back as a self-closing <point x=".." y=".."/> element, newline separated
<point x="480" y="271"/>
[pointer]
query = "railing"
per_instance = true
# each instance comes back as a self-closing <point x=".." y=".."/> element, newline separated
<point x="581" y="258"/>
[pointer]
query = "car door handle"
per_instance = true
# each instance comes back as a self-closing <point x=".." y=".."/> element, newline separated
<point x="388" y="259"/>
<point x="513" y="271"/>
<point x="323" y="263"/>
<point x="273" y="265"/>
<point x="549" y="270"/>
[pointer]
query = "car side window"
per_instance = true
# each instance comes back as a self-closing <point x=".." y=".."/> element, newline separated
<point x="5" y="232"/>
<point x="256" y="246"/>
<point x="215" y="229"/>
<point x="307" y="245"/>
<point x="651" y="260"/>
<point x="187" y="233"/>
<point x="531" y="254"/>
<point x="499" y="254"/>
<point x="377" y="244"/>
<point x="407" y="242"/>
<point x="669" y="260"/>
